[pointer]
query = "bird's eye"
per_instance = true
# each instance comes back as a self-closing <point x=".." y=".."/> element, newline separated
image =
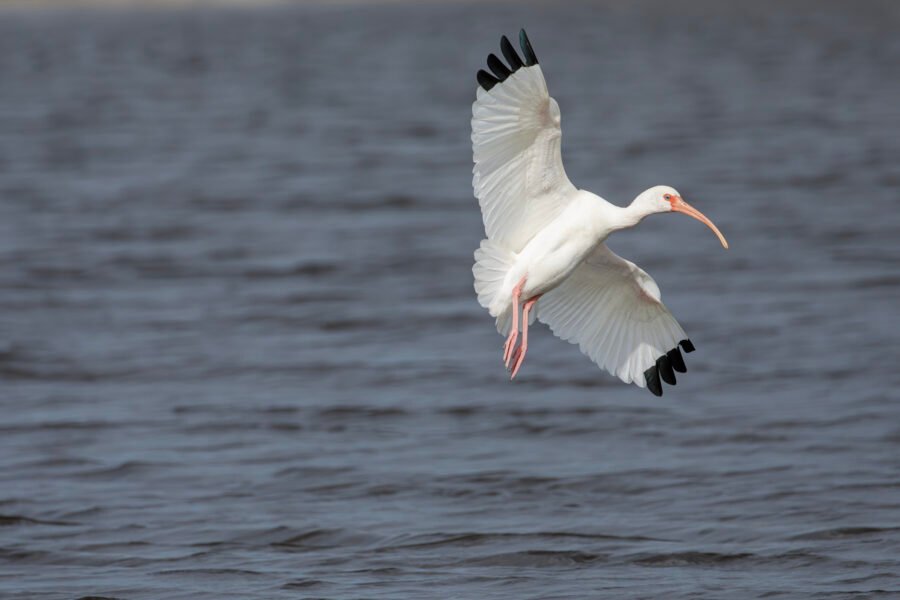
<point x="668" y="196"/>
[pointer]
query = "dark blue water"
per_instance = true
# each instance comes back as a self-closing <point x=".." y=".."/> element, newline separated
<point x="241" y="356"/>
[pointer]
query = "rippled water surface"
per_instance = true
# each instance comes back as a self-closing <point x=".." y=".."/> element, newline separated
<point x="240" y="354"/>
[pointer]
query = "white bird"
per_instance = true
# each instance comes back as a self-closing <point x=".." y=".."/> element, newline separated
<point x="545" y="245"/>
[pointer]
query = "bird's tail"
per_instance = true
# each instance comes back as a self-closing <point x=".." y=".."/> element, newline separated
<point x="492" y="263"/>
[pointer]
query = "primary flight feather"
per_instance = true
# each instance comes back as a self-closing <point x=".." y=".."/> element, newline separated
<point x="545" y="256"/>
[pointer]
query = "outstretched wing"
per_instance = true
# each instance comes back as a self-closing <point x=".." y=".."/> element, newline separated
<point x="518" y="178"/>
<point x="612" y="309"/>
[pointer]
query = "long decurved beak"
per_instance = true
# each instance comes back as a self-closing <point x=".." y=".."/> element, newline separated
<point x="679" y="205"/>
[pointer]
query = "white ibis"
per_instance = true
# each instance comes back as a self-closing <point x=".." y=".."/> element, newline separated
<point x="545" y="247"/>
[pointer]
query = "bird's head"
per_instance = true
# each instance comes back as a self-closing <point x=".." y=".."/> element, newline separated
<point x="664" y="199"/>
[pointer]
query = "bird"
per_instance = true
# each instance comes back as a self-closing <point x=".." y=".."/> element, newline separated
<point x="544" y="256"/>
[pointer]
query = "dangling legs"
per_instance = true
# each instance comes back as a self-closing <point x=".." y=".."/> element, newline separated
<point x="514" y="328"/>
<point x="523" y="347"/>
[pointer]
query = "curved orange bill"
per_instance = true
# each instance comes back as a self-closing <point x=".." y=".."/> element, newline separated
<point x="679" y="205"/>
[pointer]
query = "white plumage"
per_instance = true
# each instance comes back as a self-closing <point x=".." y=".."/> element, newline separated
<point x="611" y="308"/>
<point x="545" y="249"/>
<point x="518" y="177"/>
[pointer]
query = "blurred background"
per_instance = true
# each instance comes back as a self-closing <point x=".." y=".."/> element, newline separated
<point x="241" y="356"/>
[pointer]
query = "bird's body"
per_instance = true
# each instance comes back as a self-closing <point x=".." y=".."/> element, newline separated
<point x="545" y="249"/>
<point x="556" y="250"/>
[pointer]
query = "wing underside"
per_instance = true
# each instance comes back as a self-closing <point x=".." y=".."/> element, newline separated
<point x="518" y="176"/>
<point x="612" y="309"/>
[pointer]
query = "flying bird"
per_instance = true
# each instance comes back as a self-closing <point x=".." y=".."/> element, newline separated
<point x="545" y="257"/>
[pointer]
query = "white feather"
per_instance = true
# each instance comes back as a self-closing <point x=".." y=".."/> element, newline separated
<point x="624" y="334"/>
<point x="518" y="177"/>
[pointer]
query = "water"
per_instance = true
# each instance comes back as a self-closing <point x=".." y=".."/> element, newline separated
<point x="240" y="351"/>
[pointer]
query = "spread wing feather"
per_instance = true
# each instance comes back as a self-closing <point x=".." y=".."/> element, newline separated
<point x="518" y="177"/>
<point x="612" y="309"/>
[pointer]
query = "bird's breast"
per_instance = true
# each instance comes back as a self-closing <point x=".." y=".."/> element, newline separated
<point x="551" y="256"/>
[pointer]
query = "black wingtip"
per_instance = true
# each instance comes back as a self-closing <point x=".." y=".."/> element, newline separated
<point x="510" y="54"/>
<point x="665" y="369"/>
<point x="677" y="360"/>
<point x="499" y="69"/>
<point x="527" y="50"/>
<point x="651" y="376"/>
<point x="687" y="345"/>
<point x="486" y="80"/>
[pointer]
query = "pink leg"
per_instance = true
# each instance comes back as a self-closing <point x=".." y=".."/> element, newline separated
<point x="523" y="348"/>
<point x="514" y="329"/>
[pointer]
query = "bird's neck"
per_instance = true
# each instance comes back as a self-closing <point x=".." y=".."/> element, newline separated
<point x="629" y="216"/>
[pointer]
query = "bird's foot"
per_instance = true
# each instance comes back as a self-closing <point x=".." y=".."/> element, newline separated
<point x="519" y="355"/>
<point x="518" y="358"/>
<point x="508" y="347"/>
<point x="514" y="327"/>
